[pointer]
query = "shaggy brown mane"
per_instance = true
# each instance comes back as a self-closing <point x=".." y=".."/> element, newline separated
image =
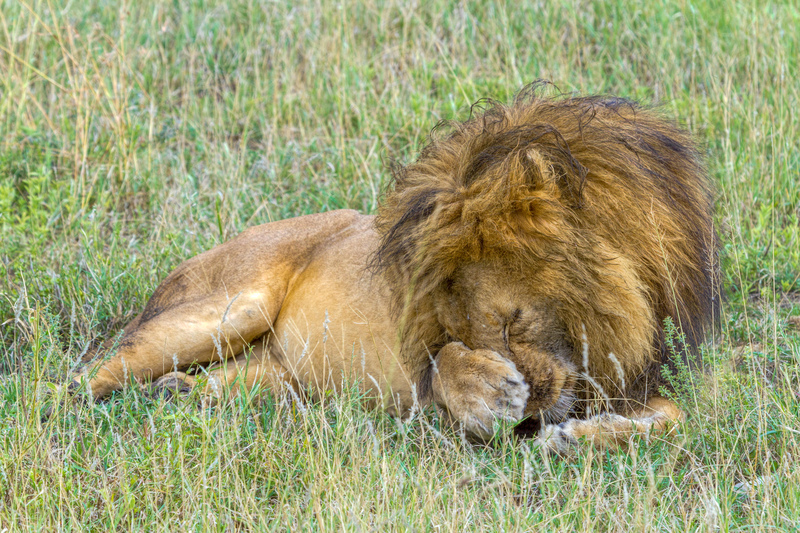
<point x="586" y="183"/>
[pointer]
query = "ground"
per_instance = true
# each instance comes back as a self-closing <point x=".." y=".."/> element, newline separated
<point x="138" y="134"/>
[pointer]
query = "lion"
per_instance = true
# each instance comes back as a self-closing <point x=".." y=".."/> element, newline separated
<point x="521" y="268"/>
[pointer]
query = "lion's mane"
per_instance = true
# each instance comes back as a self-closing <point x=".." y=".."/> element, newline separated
<point x="588" y="183"/>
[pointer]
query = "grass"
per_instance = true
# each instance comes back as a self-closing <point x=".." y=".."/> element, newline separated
<point x="138" y="134"/>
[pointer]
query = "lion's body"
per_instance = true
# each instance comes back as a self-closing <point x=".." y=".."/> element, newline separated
<point x="523" y="264"/>
<point x="313" y="306"/>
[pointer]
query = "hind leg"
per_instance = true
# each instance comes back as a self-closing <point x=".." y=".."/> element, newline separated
<point x="212" y="305"/>
<point x="256" y="367"/>
<point x="213" y="328"/>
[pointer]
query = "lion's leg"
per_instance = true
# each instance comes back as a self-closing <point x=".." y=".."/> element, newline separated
<point x="254" y="367"/>
<point x="213" y="304"/>
<point x="478" y="387"/>
<point x="215" y="327"/>
<point x="659" y="417"/>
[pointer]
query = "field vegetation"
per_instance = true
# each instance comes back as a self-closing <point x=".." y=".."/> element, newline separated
<point x="137" y="134"/>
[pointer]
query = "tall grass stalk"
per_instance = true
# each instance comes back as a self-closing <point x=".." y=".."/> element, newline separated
<point x="137" y="134"/>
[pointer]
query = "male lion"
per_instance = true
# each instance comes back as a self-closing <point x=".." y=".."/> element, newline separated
<point x="521" y="268"/>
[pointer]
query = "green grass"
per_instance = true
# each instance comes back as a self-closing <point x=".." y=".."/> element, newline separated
<point x="136" y="136"/>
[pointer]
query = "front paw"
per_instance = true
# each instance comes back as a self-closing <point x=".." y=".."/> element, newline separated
<point x="606" y="430"/>
<point x="557" y="439"/>
<point x="478" y="388"/>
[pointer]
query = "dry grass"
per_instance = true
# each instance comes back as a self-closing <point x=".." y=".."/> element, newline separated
<point x="136" y="135"/>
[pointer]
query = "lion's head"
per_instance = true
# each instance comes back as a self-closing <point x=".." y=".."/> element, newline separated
<point x="559" y="232"/>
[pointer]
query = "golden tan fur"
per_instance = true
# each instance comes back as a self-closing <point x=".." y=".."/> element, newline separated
<point x="521" y="267"/>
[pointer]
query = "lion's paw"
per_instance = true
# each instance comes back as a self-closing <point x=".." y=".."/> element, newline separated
<point x="172" y="385"/>
<point x="559" y="439"/>
<point x="606" y="430"/>
<point x="479" y="388"/>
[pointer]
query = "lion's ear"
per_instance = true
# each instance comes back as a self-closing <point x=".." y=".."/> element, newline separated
<point x="540" y="189"/>
<point x="536" y="216"/>
<point x="554" y="170"/>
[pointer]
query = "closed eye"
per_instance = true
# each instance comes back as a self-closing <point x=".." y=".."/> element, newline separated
<point x="512" y="322"/>
<point x="507" y="326"/>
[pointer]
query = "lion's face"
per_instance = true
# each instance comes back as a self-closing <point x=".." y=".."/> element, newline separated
<point x="489" y="305"/>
